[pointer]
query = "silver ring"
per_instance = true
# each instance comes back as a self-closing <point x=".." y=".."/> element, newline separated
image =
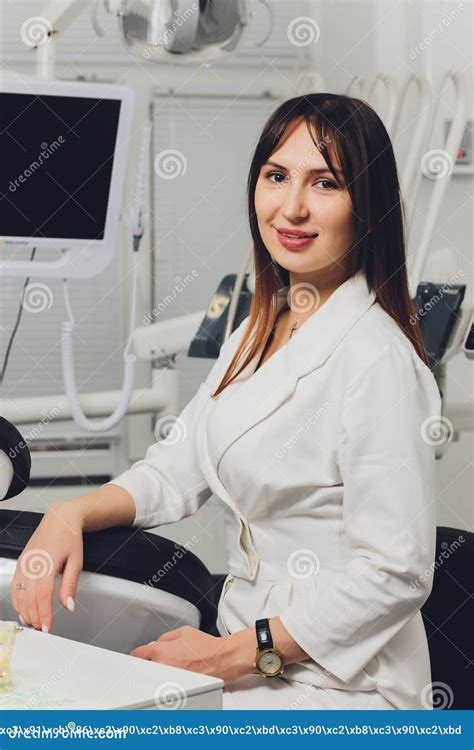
<point x="20" y="585"/>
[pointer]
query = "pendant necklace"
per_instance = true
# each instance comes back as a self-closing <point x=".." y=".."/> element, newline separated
<point x="293" y="327"/>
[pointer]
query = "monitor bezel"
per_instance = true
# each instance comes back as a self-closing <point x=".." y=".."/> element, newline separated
<point x="95" y="90"/>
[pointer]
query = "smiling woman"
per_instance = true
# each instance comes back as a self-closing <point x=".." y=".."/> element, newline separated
<point x="324" y="202"/>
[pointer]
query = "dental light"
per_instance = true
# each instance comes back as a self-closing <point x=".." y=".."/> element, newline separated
<point x="180" y="31"/>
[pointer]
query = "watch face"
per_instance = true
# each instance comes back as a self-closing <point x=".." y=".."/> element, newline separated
<point x="269" y="662"/>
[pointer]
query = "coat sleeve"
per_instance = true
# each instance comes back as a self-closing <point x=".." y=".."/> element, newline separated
<point x="386" y="450"/>
<point x="167" y="484"/>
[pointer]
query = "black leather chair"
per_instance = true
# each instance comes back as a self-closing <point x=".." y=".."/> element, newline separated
<point x="449" y="619"/>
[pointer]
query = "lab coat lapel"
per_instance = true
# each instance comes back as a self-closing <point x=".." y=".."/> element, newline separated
<point x="263" y="391"/>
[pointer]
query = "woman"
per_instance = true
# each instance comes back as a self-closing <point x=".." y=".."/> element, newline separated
<point x="312" y="430"/>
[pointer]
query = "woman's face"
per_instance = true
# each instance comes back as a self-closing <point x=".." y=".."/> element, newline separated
<point x="291" y="193"/>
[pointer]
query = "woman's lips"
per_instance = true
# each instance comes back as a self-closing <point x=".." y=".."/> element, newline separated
<point x="294" y="243"/>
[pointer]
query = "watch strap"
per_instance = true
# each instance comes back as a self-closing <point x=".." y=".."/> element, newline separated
<point x="264" y="636"/>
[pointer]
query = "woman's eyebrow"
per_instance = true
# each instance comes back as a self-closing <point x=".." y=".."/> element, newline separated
<point x="317" y="170"/>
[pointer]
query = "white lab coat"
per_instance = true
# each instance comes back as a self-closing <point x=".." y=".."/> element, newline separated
<point x="324" y="468"/>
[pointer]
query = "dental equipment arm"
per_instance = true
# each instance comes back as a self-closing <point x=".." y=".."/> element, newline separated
<point x="156" y="341"/>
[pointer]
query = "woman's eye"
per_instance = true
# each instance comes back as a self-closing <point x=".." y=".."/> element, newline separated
<point x="275" y="174"/>
<point x="332" y="185"/>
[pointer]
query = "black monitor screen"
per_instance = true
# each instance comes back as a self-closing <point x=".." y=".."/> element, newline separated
<point x="56" y="156"/>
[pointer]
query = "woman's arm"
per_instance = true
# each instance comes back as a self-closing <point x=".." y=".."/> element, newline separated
<point x="388" y="535"/>
<point x="238" y="653"/>
<point x="168" y="483"/>
<point x="105" y="507"/>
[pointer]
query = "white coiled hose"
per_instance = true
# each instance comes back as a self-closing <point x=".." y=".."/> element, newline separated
<point x="69" y="377"/>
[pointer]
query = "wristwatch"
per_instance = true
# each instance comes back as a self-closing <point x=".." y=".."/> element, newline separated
<point x="268" y="659"/>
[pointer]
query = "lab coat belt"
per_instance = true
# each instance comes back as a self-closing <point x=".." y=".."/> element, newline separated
<point x="278" y="571"/>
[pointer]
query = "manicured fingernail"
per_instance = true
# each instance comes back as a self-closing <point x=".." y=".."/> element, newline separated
<point x="70" y="603"/>
<point x="44" y="628"/>
<point x="21" y="620"/>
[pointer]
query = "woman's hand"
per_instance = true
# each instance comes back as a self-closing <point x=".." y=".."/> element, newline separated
<point x="190" y="648"/>
<point x="55" y="546"/>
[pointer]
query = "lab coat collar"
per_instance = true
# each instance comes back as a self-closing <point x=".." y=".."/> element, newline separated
<point x="318" y="336"/>
<point x="266" y="389"/>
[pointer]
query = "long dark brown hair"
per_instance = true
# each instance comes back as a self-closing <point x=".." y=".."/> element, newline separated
<point x="364" y="151"/>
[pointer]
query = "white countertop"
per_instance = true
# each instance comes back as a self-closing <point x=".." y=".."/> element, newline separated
<point x="50" y="672"/>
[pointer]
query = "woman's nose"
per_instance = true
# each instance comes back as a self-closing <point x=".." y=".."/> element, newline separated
<point x="294" y="204"/>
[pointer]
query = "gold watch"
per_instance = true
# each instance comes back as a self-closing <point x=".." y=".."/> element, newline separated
<point x="268" y="659"/>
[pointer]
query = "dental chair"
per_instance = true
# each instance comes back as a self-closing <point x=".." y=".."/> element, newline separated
<point x="134" y="585"/>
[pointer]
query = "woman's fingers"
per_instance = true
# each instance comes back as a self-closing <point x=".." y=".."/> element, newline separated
<point x="55" y="547"/>
<point x="18" y="601"/>
<point x="67" y="591"/>
<point x="44" y="599"/>
<point x="37" y="569"/>
<point x="24" y="602"/>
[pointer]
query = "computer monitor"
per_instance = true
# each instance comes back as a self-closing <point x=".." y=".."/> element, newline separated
<point x="63" y="155"/>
